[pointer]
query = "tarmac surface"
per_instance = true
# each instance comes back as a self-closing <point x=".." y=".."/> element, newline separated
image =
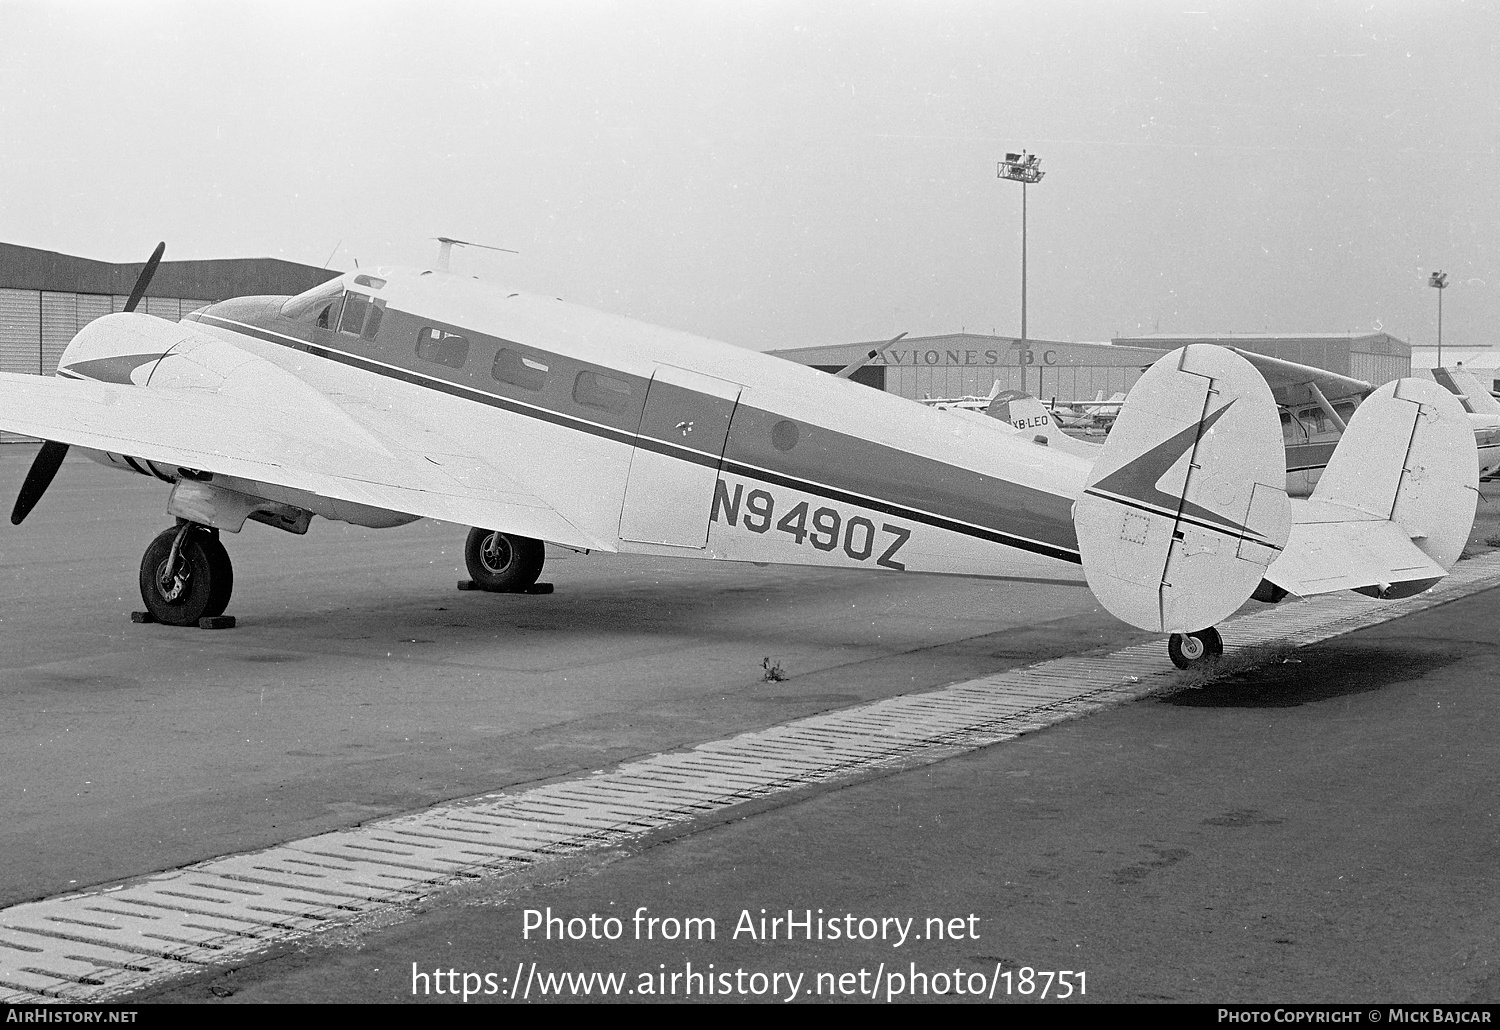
<point x="359" y="682"/>
<point x="1325" y="829"/>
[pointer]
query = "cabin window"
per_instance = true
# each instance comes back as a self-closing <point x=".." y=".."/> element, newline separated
<point x="513" y="367"/>
<point x="373" y="282"/>
<point x="595" y="390"/>
<point x="442" y="347"/>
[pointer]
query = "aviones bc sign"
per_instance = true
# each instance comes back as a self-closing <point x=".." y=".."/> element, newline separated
<point x="971" y="356"/>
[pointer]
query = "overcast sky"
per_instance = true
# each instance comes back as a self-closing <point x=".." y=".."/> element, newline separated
<point x="796" y="173"/>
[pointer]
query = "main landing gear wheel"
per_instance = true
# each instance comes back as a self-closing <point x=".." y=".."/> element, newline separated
<point x="1194" y="650"/>
<point x="503" y="563"/>
<point x="186" y="575"/>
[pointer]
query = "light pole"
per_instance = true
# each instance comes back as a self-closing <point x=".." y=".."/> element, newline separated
<point x="1439" y="280"/>
<point x="1026" y="169"/>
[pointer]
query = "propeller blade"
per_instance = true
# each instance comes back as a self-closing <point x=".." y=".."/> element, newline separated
<point x="50" y="458"/>
<point x="144" y="279"/>
<point x="43" y="468"/>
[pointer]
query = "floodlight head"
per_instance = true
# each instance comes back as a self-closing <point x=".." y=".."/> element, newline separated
<point x="1022" y="167"/>
<point x="1439" y="280"/>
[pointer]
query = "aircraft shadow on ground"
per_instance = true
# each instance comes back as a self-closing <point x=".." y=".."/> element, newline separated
<point x="1319" y="673"/>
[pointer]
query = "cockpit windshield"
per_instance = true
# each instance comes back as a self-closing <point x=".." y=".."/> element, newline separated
<point x="316" y="304"/>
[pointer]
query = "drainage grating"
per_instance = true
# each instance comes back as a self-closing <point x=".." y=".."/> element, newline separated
<point x="101" y="944"/>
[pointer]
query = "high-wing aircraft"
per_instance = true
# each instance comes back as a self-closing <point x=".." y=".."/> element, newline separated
<point x="384" y="396"/>
<point x="1316" y="406"/>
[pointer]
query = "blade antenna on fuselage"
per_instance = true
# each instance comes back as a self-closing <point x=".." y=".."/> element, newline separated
<point x="445" y="250"/>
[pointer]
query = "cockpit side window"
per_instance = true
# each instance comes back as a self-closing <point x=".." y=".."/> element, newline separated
<point x="356" y="307"/>
<point x="441" y="347"/>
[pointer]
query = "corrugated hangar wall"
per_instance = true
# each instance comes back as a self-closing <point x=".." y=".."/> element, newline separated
<point x="968" y="364"/>
<point x="1374" y="357"/>
<point x="46" y="297"/>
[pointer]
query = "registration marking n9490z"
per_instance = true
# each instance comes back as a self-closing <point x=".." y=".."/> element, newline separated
<point x="825" y="528"/>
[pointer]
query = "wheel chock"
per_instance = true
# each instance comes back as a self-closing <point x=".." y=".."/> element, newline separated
<point x="142" y="617"/>
<point x="216" y="622"/>
<point x="535" y="588"/>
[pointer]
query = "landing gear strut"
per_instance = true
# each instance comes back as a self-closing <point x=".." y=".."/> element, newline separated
<point x="501" y="562"/>
<point x="186" y="575"/>
<point x="1194" y="650"/>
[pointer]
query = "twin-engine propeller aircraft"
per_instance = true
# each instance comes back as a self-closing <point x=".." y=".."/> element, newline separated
<point x="385" y="396"/>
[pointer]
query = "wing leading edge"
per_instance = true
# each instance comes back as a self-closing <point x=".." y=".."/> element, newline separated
<point x="228" y="436"/>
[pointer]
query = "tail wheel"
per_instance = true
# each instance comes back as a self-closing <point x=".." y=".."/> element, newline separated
<point x="501" y="562"/>
<point x="194" y="583"/>
<point x="1194" y="650"/>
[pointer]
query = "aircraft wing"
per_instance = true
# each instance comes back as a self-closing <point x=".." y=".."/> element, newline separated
<point x="1289" y="381"/>
<point x="225" y="435"/>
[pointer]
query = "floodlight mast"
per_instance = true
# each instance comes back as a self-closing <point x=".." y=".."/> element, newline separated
<point x="1439" y="280"/>
<point x="1026" y="169"/>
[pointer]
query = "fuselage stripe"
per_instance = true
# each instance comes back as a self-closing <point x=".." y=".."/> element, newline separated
<point x="1223" y="530"/>
<point x="665" y="447"/>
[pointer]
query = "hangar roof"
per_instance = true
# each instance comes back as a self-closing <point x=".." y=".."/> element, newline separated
<point x="1360" y="343"/>
<point x="27" y="268"/>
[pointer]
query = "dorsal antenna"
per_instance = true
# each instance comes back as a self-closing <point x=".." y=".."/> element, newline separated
<point x="445" y="250"/>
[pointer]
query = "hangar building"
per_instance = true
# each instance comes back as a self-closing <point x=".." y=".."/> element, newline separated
<point x="46" y="297"/>
<point x="968" y="364"/>
<point x="1374" y="357"/>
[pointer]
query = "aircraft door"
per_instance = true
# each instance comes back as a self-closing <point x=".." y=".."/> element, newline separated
<point x="684" y="427"/>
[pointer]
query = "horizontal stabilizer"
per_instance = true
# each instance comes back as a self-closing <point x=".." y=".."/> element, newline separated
<point x="1321" y="557"/>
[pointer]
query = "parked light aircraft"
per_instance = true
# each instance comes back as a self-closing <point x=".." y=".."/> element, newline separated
<point x="1098" y="414"/>
<point x="1316" y="406"/>
<point x="385" y="396"/>
<point x="971" y="402"/>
